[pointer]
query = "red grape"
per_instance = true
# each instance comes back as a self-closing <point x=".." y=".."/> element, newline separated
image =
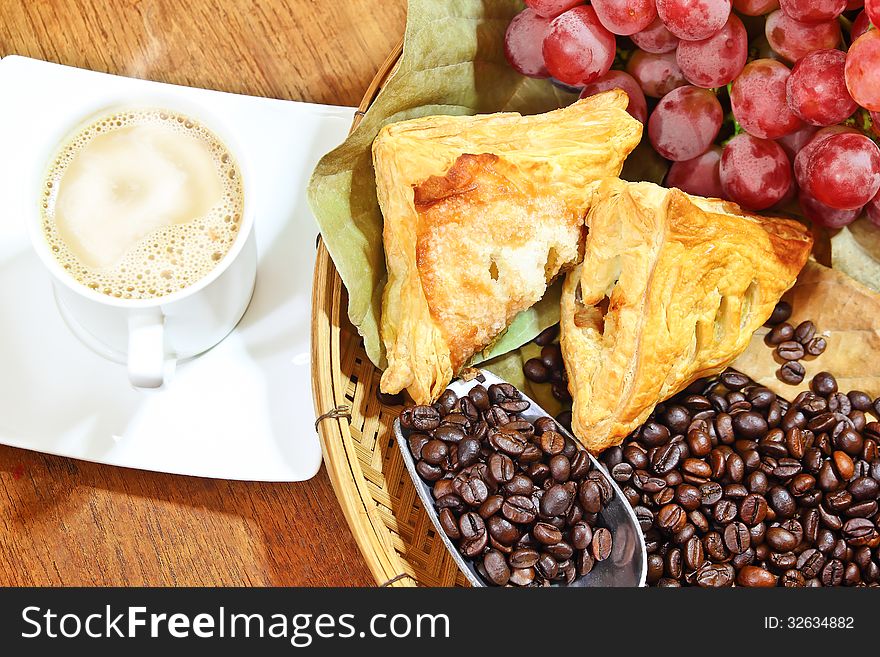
<point x="819" y="213"/>
<point x="577" y="49"/>
<point x="872" y="8"/>
<point x="699" y="176"/>
<point x="854" y="4"/>
<point x="655" y="38"/>
<point x="793" y="39"/>
<point x="552" y="8"/>
<point x="843" y="171"/>
<point x="755" y="172"/>
<point x="625" y="17"/>
<point x="817" y="90"/>
<point x="863" y="70"/>
<point x="637" y="107"/>
<point x="693" y="20"/>
<point x="793" y="143"/>
<point x="685" y="123"/>
<point x="806" y="151"/>
<point x="758" y="100"/>
<point x="872" y="210"/>
<point x="657" y="74"/>
<point x="860" y="25"/>
<point x="813" y="11"/>
<point x="522" y="43"/>
<point x="755" y="7"/>
<point x="715" y="61"/>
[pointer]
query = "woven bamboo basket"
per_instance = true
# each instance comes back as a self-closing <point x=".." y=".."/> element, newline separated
<point x="377" y="496"/>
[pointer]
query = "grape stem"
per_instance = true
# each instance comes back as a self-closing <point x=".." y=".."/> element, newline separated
<point x="862" y="121"/>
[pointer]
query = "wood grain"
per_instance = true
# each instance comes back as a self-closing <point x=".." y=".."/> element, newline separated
<point x="66" y="522"/>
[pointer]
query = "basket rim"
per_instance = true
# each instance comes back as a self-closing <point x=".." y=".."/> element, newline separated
<point x="328" y="392"/>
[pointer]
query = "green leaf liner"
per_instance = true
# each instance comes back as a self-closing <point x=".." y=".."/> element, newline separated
<point x="453" y="63"/>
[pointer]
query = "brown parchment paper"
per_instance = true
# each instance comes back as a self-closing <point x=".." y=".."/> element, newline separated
<point x="846" y="313"/>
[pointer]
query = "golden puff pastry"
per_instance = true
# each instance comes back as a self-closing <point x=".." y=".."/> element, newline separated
<point x="670" y="290"/>
<point x="481" y="213"/>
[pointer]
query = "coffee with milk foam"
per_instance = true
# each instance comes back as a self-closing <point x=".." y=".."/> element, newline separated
<point x="141" y="203"/>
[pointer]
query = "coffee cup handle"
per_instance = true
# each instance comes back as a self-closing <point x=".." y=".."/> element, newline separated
<point x="146" y="348"/>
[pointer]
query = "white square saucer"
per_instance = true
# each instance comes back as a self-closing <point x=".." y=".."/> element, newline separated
<point x="244" y="409"/>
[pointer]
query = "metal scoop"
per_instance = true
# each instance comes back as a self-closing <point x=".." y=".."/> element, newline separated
<point x="627" y="565"/>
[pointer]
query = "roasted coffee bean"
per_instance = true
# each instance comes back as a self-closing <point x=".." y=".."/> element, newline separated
<point x="793" y="579"/>
<point x="497" y="417"/>
<point x="560" y="551"/>
<point x="560" y="468"/>
<point x="501" y="468"/>
<point x="556" y="501"/>
<point x="790" y="350"/>
<point x="522" y="576"/>
<point x="496" y="567"/>
<point x="491" y="506"/>
<point x="696" y="467"/>
<point x="859" y="531"/>
<point x="750" y="425"/>
<point x="435" y="451"/>
<point x="581" y="534"/>
<point x="805" y="331"/>
<point x="653" y="434"/>
<point x="781" y="540"/>
<point x="546" y="534"/>
<point x="521" y="509"/>
<point x="523" y="558"/>
<point x="710" y="493"/>
<point x="725" y="511"/>
<point x="474" y="537"/>
<point x="737" y="538"/>
<point x="429" y="472"/>
<point x="782" y="502"/>
<point x="449" y="524"/>
<point x="753" y="509"/>
<point x="590" y="496"/>
<point x="468" y="451"/>
<point x="786" y="468"/>
<point x="859" y="400"/>
<point x="810" y="562"/>
<point x="688" y="496"/>
<point x="584" y="563"/>
<point x="665" y="458"/>
<point x="416" y="442"/>
<point x="622" y="472"/>
<point x="754" y="576"/>
<point x="602" y="544"/>
<point x="552" y="443"/>
<point x="715" y="575"/>
<point x="425" y="418"/>
<point x="547" y="566"/>
<point x="791" y="372"/>
<point x="824" y="384"/>
<point x="535" y="370"/>
<point x="580" y="465"/>
<point x="673" y="563"/>
<point x="547" y="336"/>
<point x="781" y="313"/>
<point x="802" y="484"/>
<point x="519" y="484"/>
<point x="779" y="334"/>
<point x="864" y="488"/>
<point x="699" y="443"/>
<point x="816" y="346"/>
<point x="832" y="573"/>
<point x="758" y="483"/>
<point x="671" y="518"/>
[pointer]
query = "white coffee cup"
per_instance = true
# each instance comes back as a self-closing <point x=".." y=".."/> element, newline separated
<point x="150" y="335"/>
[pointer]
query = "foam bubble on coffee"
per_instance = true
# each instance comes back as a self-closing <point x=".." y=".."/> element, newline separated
<point x="141" y="203"/>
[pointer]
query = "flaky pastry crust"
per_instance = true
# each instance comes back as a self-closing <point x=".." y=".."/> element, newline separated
<point x="481" y="213"/>
<point x="670" y="290"/>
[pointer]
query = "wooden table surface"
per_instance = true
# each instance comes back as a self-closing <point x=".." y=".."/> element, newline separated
<point x="67" y="522"/>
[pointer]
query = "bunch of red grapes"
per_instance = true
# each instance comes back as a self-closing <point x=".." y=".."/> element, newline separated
<point x="759" y="117"/>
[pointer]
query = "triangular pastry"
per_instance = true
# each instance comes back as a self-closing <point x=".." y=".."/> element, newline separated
<point x="670" y="290"/>
<point x="481" y="213"/>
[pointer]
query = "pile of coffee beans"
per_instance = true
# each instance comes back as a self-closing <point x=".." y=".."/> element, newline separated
<point x="517" y="497"/>
<point x="792" y="343"/>
<point x="550" y="368"/>
<point x="735" y="486"/>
